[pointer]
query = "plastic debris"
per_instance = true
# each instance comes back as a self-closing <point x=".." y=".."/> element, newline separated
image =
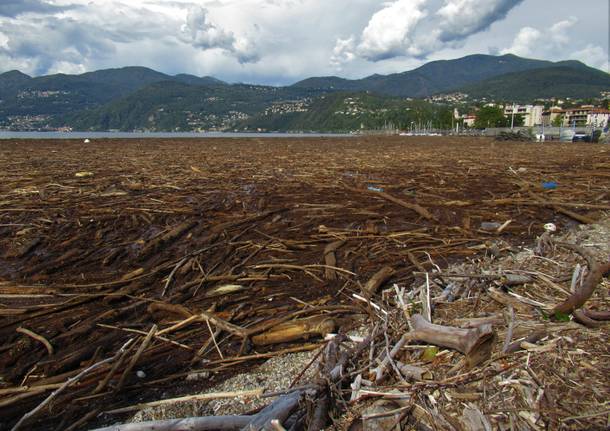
<point x="550" y="185"/>
<point x="490" y="225"/>
<point x="86" y="141"/>
<point x="141" y="374"/>
<point x="83" y="174"/>
<point x="375" y="189"/>
<point x="550" y="227"/>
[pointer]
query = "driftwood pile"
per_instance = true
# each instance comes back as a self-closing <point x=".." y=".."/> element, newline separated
<point x="124" y="267"/>
<point x="518" y="136"/>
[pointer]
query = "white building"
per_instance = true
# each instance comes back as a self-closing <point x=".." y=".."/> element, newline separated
<point x="599" y="118"/>
<point x="469" y="120"/>
<point x="586" y="115"/>
<point x="532" y="114"/>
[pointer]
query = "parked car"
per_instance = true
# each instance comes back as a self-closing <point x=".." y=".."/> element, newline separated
<point x="581" y="137"/>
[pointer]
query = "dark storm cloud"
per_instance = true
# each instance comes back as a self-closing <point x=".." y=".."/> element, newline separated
<point x="14" y="8"/>
<point x="53" y="39"/>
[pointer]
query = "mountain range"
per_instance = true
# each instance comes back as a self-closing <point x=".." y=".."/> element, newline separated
<point x="138" y="98"/>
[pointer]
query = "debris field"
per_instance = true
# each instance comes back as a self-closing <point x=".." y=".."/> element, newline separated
<point x="128" y="266"/>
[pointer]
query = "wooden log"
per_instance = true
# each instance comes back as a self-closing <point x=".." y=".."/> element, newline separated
<point x="377" y="280"/>
<point x="596" y="273"/>
<point x="296" y="330"/>
<point x="37" y="337"/>
<point x="597" y="315"/>
<point x="413" y="207"/>
<point x="223" y="324"/>
<point x="158" y="242"/>
<point x="463" y="340"/>
<point x="162" y="308"/>
<point x="280" y="409"/>
<point x="254" y="393"/>
<point x="220" y="423"/>
<point x="331" y="260"/>
<point x="136" y="357"/>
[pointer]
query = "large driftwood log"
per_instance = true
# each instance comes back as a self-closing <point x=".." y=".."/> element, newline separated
<point x="596" y="273"/>
<point x="476" y="343"/>
<point x="221" y="423"/>
<point x="466" y="341"/>
<point x="296" y="330"/>
<point x="280" y="410"/>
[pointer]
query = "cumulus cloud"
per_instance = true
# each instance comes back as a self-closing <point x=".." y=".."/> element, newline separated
<point x="462" y="18"/>
<point x="343" y="52"/>
<point x="388" y="33"/>
<point x="593" y="55"/>
<point x="202" y="33"/>
<point x="558" y="42"/>
<point x="417" y="28"/>
<point x="525" y="42"/>
<point x="530" y="41"/>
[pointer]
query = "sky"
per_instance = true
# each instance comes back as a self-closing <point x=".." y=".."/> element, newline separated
<point x="279" y="42"/>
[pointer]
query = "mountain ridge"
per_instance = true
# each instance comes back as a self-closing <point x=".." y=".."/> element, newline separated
<point x="136" y="97"/>
<point x="430" y="77"/>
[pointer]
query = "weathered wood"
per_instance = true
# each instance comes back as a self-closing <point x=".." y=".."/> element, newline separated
<point x="413" y="207"/>
<point x="463" y="340"/>
<point x="596" y="273"/>
<point x="298" y="329"/>
<point x="167" y="238"/>
<point x="377" y="280"/>
<point x="207" y="423"/>
<point x="330" y="259"/>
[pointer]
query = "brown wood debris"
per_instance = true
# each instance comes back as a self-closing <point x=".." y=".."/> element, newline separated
<point x="211" y="256"/>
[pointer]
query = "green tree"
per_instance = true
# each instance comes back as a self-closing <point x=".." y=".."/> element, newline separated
<point x="490" y="116"/>
<point x="557" y="121"/>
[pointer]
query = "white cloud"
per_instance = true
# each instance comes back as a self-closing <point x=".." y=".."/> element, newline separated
<point x="203" y="33"/>
<point x="560" y="41"/>
<point x="593" y="55"/>
<point x="525" y="42"/>
<point x="462" y="18"/>
<point x="408" y="28"/>
<point x="343" y="52"/>
<point x="388" y="33"/>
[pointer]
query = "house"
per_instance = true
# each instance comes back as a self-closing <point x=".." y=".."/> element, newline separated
<point x="586" y="115"/>
<point x="469" y="120"/>
<point x="550" y="116"/>
<point x="532" y="114"/>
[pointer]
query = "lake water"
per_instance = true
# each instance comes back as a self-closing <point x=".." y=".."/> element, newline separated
<point x="137" y="135"/>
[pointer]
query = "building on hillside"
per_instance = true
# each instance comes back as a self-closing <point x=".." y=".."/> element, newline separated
<point x="469" y="120"/>
<point x="598" y="118"/>
<point x="549" y="117"/>
<point x="587" y="115"/>
<point x="532" y="114"/>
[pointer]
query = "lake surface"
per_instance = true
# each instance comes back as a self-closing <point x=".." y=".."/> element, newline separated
<point x="138" y="135"/>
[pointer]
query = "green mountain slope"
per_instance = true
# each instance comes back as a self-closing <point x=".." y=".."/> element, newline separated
<point x="59" y="95"/>
<point x="171" y="105"/>
<point x="544" y="83"/>
<point x="12" y="79"/>
<point x="436" y="76"/>
<point x="346" y="112"/>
